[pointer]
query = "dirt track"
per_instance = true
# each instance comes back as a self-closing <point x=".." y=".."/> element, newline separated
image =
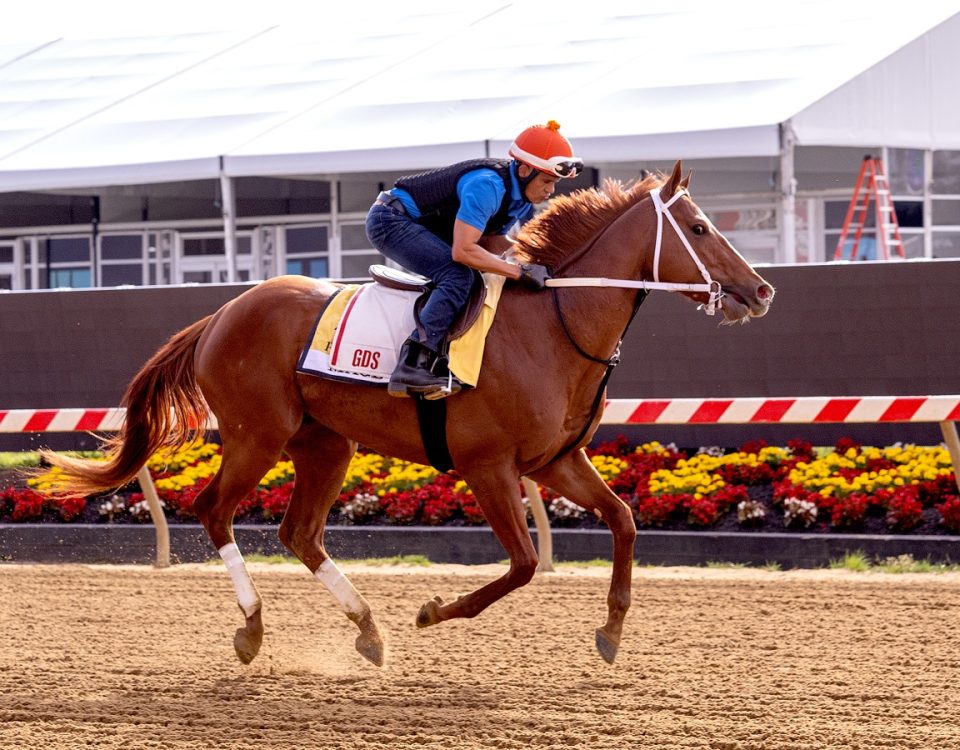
<point x="128" y="657"/>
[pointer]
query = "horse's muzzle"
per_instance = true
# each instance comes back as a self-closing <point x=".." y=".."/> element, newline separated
<point x="740" y="302"/>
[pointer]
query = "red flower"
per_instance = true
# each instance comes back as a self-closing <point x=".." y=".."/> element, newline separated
<point x="471" y="510"/>
<point x="754" y="446"/>
<point x="656" y="510"/>
<point x="904" y="510"/>
<point x="402" y="507"/>
<point x="849" y="510"/>
<point x="844" y="444"/>
<point x="802" y="450"/>
<point x="274" y="501"/>
<point x="70" y="507"/>
<point x="950" y="512"/>
<point x="27" y="505"/>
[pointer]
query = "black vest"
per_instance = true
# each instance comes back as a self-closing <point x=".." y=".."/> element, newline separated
<point x="435" y="193"/>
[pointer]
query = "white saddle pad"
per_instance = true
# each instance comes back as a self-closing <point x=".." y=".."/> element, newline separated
<point x="367" y="340"/>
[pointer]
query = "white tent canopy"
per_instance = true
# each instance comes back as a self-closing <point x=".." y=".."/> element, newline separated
<point x="309" y="89"/>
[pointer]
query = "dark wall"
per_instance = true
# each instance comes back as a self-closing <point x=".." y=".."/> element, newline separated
<point x="80" y="348"/>
<point x="834" y="330"/>
<point x="864" y="329"/>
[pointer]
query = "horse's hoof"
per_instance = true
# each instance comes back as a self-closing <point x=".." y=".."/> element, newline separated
<point x="247" y="644"/>
<point x="429" y="613"/>
<point x="607" y="648"/>
<point x="371" y="648"/>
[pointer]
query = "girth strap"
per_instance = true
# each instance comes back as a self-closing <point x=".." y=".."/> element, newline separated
<point x="432" y="416"/>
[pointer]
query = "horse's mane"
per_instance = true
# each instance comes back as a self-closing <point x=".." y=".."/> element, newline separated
<point x="573" y="219"/>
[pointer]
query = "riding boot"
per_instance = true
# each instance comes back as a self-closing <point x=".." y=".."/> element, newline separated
<point x="421" y="371"/>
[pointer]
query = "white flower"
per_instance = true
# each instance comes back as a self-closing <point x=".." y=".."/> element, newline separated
<point x="362" y="506"/>
<point x="802" y="511"/>
<point x="563" y="508"/>
<point x="750" y="510"/>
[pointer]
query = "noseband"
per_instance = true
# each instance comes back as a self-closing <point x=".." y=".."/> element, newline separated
<point x="711" y="287"/>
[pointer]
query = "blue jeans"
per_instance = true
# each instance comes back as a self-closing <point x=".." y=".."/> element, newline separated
<point x="417" y="249"/>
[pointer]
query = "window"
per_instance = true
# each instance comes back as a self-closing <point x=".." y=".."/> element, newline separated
<point x="318" y="268"/>
<point x="946" y="245"/>
<point x="905" y="171"/>
<point x="67" y="261"/>
<point x="121" y="260"/>
<point x="909" y="218"/>
<point x="68" y="249"/>
<point x="356" y="254"/>
<point x="358" y="266"/>
<point x="307" y="251"/>
<point x="946" y="172"/>
<point x="946" y="212"/>
<point x="76" y="278"/>
<point x="121" y="247"/>
<point x="125" y="274"/>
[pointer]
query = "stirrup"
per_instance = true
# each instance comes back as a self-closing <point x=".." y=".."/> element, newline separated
<point x="452" y="387"/>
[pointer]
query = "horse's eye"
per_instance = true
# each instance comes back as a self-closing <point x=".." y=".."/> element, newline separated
<point x="699" y="229"/>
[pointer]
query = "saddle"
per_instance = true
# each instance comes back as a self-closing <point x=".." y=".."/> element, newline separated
<point x="393" y="278"/>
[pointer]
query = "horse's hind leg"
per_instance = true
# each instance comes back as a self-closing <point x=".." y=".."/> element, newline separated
<point x="320" y="459"/>
<point x="497" y="490"/>
<point x="244" y="464"/>
<point x="574" y="477"/>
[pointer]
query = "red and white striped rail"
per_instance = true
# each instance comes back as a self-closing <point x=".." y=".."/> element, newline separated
<point x="805" y="410"/>
<point x="68" y="420"/>
<point x="801" y="410"/>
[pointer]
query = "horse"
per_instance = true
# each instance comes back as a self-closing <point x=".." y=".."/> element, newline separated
<point x="537" y="404"/>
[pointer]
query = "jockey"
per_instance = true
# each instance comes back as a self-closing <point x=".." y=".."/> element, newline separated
<point x="449" y="223"/>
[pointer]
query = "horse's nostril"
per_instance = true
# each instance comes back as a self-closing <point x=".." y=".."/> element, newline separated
<point x="765" y="291"/>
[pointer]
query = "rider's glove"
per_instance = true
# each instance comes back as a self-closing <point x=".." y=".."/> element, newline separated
<point x="533" y="276"/>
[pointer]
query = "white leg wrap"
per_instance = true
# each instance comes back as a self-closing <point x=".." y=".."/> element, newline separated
<point x="343" y="591"/>
<point x="247" y="594"/>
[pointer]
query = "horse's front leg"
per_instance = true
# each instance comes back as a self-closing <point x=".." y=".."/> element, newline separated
<point x="497" y="490"/>
<point x="574" y="477"/>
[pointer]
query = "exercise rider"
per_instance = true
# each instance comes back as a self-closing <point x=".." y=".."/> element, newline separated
<point x="448" y="223"/>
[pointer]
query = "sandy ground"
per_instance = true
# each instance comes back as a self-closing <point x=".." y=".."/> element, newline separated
<point x="134" y="657"/>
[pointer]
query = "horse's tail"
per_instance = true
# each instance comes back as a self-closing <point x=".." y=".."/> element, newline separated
<point x="165" y="408"/>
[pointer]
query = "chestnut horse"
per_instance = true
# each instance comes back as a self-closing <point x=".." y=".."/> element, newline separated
<point x="537" y="405"/>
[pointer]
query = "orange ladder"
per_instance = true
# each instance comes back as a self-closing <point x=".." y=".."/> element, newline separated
<point x="878" y="189"/>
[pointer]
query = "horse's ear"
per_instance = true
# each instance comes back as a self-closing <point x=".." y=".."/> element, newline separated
<point x="685" y="182"/>
<point x="671" y="185"/>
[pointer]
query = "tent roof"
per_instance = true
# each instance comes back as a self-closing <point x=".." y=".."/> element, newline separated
<point x="301" y="88"/>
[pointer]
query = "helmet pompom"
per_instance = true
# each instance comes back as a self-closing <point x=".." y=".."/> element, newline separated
<point x="553" y="125"/>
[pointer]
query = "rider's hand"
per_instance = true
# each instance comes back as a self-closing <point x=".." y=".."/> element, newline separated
<point x="533" y="276"/>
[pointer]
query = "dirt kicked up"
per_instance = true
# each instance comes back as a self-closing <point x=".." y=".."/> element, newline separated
<point x="133" y="657"/>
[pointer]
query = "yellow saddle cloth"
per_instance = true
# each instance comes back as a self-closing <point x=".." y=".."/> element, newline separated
<point x="359" y="333"/>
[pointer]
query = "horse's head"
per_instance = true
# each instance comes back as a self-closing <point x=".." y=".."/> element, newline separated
<point x="690" y="249"/>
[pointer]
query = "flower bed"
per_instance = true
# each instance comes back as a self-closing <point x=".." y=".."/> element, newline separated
<point x="900" y="489"/>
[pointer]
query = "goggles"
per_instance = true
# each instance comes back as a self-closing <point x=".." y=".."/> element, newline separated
<point x="561" y="166"/>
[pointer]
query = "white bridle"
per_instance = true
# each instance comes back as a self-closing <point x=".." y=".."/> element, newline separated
<point x="710" y="286"/>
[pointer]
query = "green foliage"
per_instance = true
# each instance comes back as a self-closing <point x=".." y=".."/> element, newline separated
<point x="19" y="460"/>
<point x="856" y="561"/>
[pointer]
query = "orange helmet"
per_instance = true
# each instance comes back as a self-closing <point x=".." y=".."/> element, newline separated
<point x="543" y="148"/>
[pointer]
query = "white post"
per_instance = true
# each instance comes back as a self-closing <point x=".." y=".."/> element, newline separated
<point x="34" y="262"/>
<point x="788" y="196"/>
<point x="228" y="206"/>
<point x="949" y="430"/>
<point x="928" y="203"/>
<point x="542" y="521"/>
<point x="156" y="514"/>
<point x="334" y="244"/>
